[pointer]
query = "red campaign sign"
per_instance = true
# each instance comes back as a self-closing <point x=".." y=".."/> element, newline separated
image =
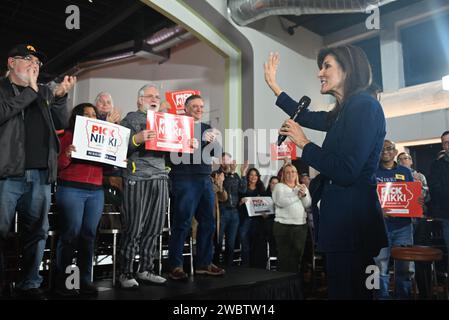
<point x="286" y="149"/>
<point x="178" y="98"/>
<point x="173" y="132"/>
<point x="400" y="199"/>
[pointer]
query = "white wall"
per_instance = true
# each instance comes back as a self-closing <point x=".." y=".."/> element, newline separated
<point x="191" y="66"/>
<point x="297" y="72"/>
<point x="199" y="67"/>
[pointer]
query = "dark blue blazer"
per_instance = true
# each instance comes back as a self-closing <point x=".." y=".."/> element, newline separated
<point x="350" y="217"/>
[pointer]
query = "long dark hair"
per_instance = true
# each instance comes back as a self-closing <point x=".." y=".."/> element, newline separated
<point x="259" y="184"/>
<point x="268" y="190"/>
<point x="357" y="69"/>
<point x="79" y="111"/>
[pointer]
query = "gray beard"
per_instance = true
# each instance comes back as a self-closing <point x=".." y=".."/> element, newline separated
<point x="145" y="107"/>
<point x="22" y="76"/>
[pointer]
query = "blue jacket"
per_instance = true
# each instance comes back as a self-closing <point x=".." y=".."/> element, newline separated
<point x="350" y="217"/>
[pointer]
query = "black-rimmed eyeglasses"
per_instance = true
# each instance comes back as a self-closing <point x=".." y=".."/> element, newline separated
<point x="30" y="59"/>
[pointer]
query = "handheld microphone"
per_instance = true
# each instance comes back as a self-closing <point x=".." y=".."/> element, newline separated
<point x="303" y="104"/>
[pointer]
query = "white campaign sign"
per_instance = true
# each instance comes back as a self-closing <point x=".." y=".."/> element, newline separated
<point x="257" y="206"/>
<point x="100" y="141"/>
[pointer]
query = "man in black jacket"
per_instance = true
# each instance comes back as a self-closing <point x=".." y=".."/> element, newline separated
<point x="29" y="116"/>
<point x="229" y="215"/>
<point x="439" y="189"/>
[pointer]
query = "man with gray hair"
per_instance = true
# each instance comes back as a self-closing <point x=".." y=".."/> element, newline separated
<point x="193" y="196"/>
<point x="30" y="114"/>
<point x="145" y="195"/>
<point x="105" y="107"/>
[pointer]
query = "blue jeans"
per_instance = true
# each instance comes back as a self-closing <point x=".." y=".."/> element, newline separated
<point x="245" y="239"/>
<point x="445" y="228"/>
<point x="229" y="225"/>
<point x="30" y="196"/>
<point x="404" y="270"/>
<point x="79" y="214"/>
<point x="192" y="196"/>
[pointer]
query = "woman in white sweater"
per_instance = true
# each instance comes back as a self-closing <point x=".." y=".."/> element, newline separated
<point x="290" y="227"/>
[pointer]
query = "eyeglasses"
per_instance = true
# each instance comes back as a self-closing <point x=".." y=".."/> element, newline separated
<point x="30" y="59"/>
<point x="405" y="158"/>
<point x="388" y="149"/>
<point x="151" y="97"/>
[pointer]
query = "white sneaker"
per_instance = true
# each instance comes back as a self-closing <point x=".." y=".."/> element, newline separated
<point x="127" y="281"/>
<point x="151" y="277"/>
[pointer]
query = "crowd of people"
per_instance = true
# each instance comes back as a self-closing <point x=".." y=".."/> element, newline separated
<point x="338" y="209"/>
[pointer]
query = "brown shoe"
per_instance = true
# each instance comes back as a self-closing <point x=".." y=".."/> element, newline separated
<point x="211" y="270"/>
<point x="177" y="274"/>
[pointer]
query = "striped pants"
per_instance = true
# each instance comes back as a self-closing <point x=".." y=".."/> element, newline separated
<point x="143" y="217"/>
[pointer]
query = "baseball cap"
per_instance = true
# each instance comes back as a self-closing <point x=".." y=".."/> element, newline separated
<point x="27" y="49"/>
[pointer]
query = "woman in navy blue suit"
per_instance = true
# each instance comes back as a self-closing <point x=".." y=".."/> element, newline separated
<point x="351" y="230"/>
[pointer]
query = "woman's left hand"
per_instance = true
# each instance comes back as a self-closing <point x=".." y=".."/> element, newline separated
<point x="302" y="190"/>
<point x="270" y="69"/>
<point x="294" y="131"/>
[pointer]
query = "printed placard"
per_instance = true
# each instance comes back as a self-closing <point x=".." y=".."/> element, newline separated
<point x="177" y="99"/>
<point x="285" y="150"/>
<point x="257" y="206"/>
<point x="173" y="132"/>
<point x="100" y="141"/>
<point x="400" y="199"/>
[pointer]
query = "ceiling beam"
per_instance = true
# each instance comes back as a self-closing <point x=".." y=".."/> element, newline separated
<point x="108" y="24"/>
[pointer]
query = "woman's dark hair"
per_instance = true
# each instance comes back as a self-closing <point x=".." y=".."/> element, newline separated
<point x="259" y="184"/>
<point x="79" y="111"/>
<point x="268" y="190"/>
<point x="357" y="69"/>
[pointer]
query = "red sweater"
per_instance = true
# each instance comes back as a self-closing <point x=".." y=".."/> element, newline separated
<point x="75" y="170"/>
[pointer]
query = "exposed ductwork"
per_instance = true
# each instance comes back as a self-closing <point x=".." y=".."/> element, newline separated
<point x="244" y="12"/>
<point x="168" y="38"/>
<point x="154" y="47"/>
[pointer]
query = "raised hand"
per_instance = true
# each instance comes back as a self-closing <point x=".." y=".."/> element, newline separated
<point x="302" y="190"/>
<point x="33" y="73"/>
<point x="244" y="168"/>
<point x="270" y="69"/>
<point x="65" y="86"/>
<point x="114" y="116"/>
<point x="233" y="166"/>
<point x="209" y="136"/>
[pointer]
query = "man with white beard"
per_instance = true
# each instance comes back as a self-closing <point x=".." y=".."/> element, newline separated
<point x="30" y="114"/>
<point x="145" y="195"/>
